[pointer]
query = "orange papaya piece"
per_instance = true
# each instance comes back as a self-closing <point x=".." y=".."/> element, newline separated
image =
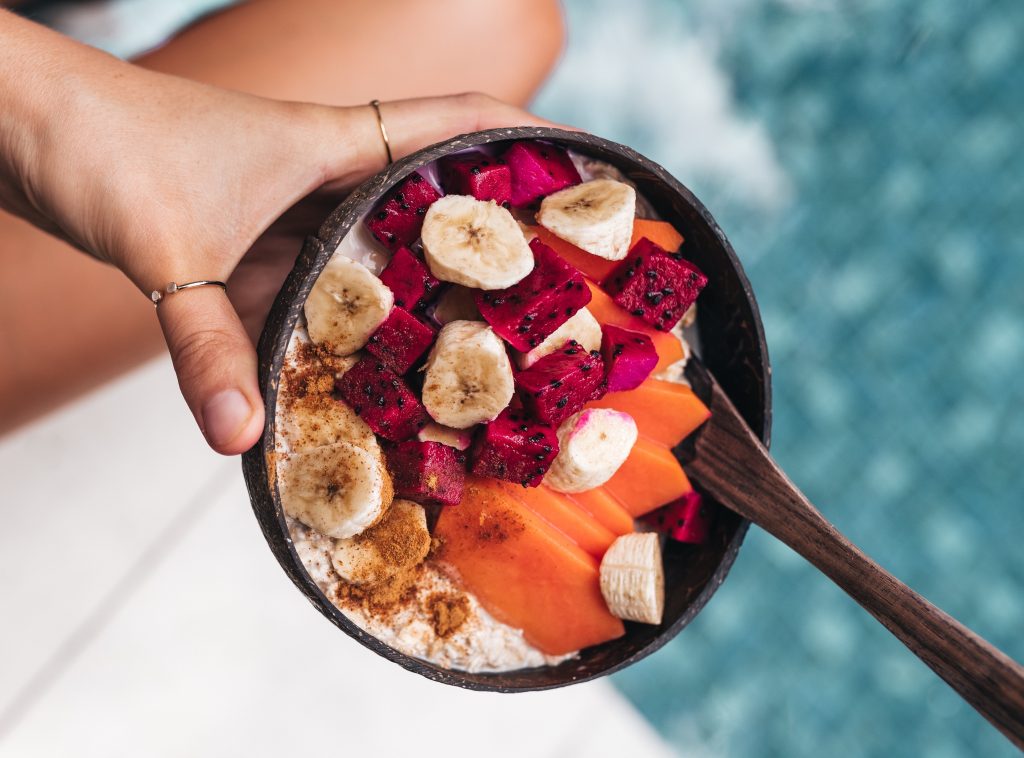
<point x="650" y="478"/>
<point x="566" y="516"/>
<point x="661" y="233"/>
<point x="665" y="412"/>
<point x="605" y="509"/>
<point x="524" y="572"/>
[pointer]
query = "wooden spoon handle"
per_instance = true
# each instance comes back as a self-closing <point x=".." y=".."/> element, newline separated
<point x="733" y="466"/>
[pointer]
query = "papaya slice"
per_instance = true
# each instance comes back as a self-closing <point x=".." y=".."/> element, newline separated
<point x="659" y="232"/>
<point x="665" y="412"/>
<point x="605" y="509"/>
<point x="598" y="268"/>
<point x="566" y="516"/>
<point x="592" y="266"/>
<point x="524" y="572"/>
<point x="650" y="478"/>
<point x="607" y="311"/>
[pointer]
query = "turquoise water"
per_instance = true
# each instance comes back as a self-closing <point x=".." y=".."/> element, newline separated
<point x="867" y="162"/>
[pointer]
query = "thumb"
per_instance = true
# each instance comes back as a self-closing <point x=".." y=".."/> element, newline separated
<point x="216" y="366"/>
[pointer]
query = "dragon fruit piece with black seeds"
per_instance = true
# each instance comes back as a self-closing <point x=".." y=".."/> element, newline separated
<point x="381" y="399"/>
<point x="428" y="473"/>
<point x="400" y="340"/>
<point x="409" y="279"/>
<point x="515" y="448"/>
<point x="687" y="519"/>
<point x="478" y="175"/>
<point x="398" y="220"/>
<point x="559" y="384"/>
<point x="655" y="285"/>
<point x="629" y="358"/>
<point x="530" y="310"/>
<point x="538" y="169"/>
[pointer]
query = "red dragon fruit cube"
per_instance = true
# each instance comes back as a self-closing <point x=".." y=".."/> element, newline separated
<point x="538" y="169"/>
<point x="400" y="340"/>
<point x="428" y="473"/>
<point x="477" y="174"/>
<point x="655" y="285"/>
<point x="687" y="519"/>
<point x="381" y="399"/>
<point x="561" y="383"/>
<point x="409" y="279"/>
<point x="530" y="310"/>
<point x="629" y="357"/>
<point x="398" y="220"/>
<point x="515" y="448"/>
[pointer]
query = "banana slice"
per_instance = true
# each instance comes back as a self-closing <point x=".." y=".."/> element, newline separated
<point x="582" y="327"/>
<point x="398" y="542"/>
<point x="338" y="489"/>
<point x="592" y="444"/>
<point x="475" y="243"/>
<point x="632" y="579"/>
<point x="468" y="375"/>
<point x="674" y="372"/>
<point x="346" y="305"/>
<point x="460" y="439"/>
<point x="456" y="304"/>
<point x="596" y="216"/>
<point x="323" y="420"/>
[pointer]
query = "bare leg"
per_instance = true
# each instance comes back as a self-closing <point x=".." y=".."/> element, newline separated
<point x="68" y="324"/>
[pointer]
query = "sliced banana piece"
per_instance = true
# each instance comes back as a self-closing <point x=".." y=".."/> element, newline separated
<point x="632" y="578"/>
<point x="596" y="216"/>
<point x="460" y="439"/>
<point x="398" y="542"/>
<point x="346" y="305"/>
<point x="468" y="375"/>
<point x="338" y="489"/>
<point x="582" y="327"/>
<point x="456" y="304"/>
<point x="475" y="243"/>
<point x="592" y="444"/>
<point x="325" y="421"/>
<point x="674" y="372"/>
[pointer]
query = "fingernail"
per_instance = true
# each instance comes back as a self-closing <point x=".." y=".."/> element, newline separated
<point x="224" y="416"/>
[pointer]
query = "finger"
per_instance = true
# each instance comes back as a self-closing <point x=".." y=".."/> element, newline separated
<point x="216" y="366"/>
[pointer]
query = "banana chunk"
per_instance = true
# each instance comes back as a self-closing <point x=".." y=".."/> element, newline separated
<point x="582" y="327"/>
<point x="456" y="304"/>
<point x="460" y="439"/>
<point x="468" y="375"/>
<point x="338" y="489"/>
<point x="592" y="444"/>
<point x="596" y="216"/>
<point x="346" y="305"/>
<point x="309" y="425"/>
<point x="398" y="542"/>
<point x="474" y="243"/>
<point x="632" y="578"/>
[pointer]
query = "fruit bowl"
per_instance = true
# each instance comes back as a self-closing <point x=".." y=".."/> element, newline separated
<point x="732" y="347"/>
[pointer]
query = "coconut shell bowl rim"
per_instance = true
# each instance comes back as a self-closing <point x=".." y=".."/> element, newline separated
<point x="733" y="349"/>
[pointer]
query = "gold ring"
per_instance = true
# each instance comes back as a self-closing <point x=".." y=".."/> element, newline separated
<point x="170" y="288"/>
<point x="383" y="131"/>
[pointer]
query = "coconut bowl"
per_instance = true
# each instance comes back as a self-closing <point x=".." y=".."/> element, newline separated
<point x="732" y="347"/>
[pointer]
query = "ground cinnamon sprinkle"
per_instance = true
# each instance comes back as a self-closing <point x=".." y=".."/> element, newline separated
<point x="448" y="611"/>
<point x="398" y="543"/>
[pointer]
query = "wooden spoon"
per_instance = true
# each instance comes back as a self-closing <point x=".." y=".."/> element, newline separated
<point x="734" y="468"/>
